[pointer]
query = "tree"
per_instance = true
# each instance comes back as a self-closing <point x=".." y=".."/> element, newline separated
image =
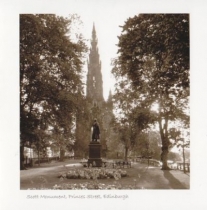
<point x="50" y="76"/>
<point x="180" y="137"/>
<point x="126" y="133"/>
<point x="147" y="144"/>
<point x="153" y="56"/>
<point x="83" y="130"/>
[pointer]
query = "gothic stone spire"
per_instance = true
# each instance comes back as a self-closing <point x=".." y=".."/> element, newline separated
<point x="94" y="77"/>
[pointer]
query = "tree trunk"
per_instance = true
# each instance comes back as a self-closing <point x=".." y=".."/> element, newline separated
<point x="184" y="159"/>
<point x="165" y="143"/>
<point x="38" y="157"/>
<point x="164" y="157"/>
<point x="126" y="153"/>
<point x="22" y="167"/>
<point x="62" y="154"/>
<point x="164" y="154"/>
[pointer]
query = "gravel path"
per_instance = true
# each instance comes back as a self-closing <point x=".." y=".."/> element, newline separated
<point x="145" y="177"/>
<point x="155" y="178"/>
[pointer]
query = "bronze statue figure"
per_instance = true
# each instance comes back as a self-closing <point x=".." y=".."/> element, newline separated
<point x="96" y="131"/>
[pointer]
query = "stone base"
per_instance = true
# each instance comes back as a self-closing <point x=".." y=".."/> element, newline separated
<point x="95" y="154"/>
<point x="95" y="162"/>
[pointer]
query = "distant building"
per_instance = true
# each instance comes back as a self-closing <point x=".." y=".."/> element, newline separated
<point x="31" y="153"/>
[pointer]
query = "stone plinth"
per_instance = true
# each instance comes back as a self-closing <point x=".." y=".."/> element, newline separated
<point x="95" y="154"/>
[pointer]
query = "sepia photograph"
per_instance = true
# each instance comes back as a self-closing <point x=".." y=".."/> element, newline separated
<point x="72" y="136"/>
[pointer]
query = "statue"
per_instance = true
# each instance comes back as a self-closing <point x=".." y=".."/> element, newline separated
<point x="95" y="148"/>
<point x="95" y="131"/>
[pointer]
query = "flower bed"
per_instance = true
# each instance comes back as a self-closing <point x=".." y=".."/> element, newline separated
<point x="93" y="182"/>
<point x="91" y="173"/>
<point x="86" y="186"/>
<point x="89" y="186"/>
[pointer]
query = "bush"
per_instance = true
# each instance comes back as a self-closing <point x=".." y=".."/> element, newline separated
<point x="93" y="174"/>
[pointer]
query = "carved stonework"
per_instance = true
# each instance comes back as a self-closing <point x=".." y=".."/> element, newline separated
<point x="99" y="109"/>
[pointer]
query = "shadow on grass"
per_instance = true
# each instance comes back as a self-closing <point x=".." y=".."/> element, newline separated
<point x="173" y="182"/>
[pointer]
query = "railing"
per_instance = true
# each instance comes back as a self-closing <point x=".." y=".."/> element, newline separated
<point x="148" y="161"/>
<point x="179" y="166"/>
<point x="173" y="165"/>
<point x="122" y="164"/>
<point x="182" y="166"/>
<point x="29" y="162"/>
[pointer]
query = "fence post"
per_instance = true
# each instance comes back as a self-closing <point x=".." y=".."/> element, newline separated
<point x="26" y="160"/>
<point x="188" y="167"/>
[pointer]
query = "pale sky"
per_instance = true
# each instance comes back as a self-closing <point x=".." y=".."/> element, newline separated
<point x="107" y="15"/>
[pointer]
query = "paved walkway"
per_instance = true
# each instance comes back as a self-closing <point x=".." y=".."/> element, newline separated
<point x="148" y="177"/>
<point x="155" y="178"/>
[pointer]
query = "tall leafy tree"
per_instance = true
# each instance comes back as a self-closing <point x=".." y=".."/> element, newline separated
<point x="51" y="60"/>
<point x="126" y="131"/>
<point x="153" y="56"/>
<point x="147" y="144"/>
<point x="83" y="131"/>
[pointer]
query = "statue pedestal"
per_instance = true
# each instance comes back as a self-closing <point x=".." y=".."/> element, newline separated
<point x="95" y="154"/>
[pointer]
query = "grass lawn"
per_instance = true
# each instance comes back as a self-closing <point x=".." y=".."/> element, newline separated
<point x="139" y="176"/>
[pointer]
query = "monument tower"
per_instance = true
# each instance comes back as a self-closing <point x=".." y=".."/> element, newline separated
<point x="99" y="108"/>
<point x="94" y="91"/>
<point x="95" y="107"/>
